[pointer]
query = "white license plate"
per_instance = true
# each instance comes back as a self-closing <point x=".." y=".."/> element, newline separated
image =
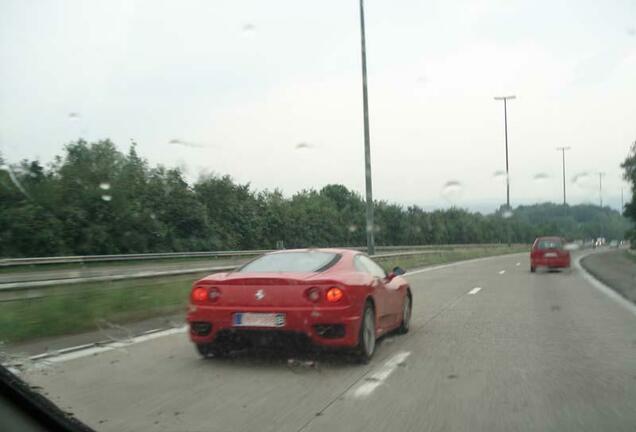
<point x="252" y="319"/>
<point x="550" y="255"/>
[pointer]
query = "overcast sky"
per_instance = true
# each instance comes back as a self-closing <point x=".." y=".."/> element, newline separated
<point x="270" y="92"/>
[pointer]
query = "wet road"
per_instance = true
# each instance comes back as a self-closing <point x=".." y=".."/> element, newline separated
<point x="492" y="347"/>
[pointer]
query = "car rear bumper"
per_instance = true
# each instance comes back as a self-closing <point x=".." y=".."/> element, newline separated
<point x="322" y="326"/>
<point x="558" y="262"/>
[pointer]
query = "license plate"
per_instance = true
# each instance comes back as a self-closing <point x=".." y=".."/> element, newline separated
<point x="550" y="255"/>
<point x="251" y="319"/>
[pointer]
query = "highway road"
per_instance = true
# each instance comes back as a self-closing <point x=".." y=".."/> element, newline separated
<point x="492" y="347"/>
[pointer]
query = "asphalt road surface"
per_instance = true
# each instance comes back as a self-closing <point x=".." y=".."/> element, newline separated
<point x="492" y="347"/>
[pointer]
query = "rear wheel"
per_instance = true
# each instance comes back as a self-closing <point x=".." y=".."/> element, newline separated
<point x="366" y="337"/>
<point x="532" y="269"/>
<point x="407" y="307"/>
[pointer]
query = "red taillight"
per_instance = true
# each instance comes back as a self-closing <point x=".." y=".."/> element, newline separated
<point x="313" y="294"/>
<point x="199" y="294"/>
<point x="334" y="295"/>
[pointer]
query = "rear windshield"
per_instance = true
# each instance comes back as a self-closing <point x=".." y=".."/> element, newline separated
<point x="549" y="244"/>
<point x="292" y="262"/>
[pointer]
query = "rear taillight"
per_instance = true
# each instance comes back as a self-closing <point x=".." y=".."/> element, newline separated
<point x="202" y="294"/>
<point x="313" y="294"/>
<point x="334" y="295"/>
<point x="199" y="294"/>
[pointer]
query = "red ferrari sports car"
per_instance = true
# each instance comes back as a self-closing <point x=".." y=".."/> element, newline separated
<point x="323" y="297"/>
<point x="549" y="252"/>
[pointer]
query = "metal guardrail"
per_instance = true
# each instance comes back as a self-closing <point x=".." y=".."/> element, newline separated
<point x="43" y="284"/>
<point x="81" y="259"/>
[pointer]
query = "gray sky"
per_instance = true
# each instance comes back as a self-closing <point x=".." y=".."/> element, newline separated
<point x="270" y="92"/>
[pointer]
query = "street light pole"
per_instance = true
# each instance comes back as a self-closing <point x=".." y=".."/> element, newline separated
<point x="563" y="150"/>
<point x="367" y="139"/>
<point x="600" y="187"/>
<point x="505" y="100"/>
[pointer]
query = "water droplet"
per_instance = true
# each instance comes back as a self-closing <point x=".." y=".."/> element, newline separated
<point x="107" y="197"/>
<point x="303" y="145"/>
<point x="541" y="177"/>
<point x="500" y="176"/>
<point x="353" y="228"/>
<point x="631" y="31"/>
<point x="177" y="141"/>
<point x="248" y="28"/>
<point x="583" y="180"/>
<point x="73" y="115"/>
<point x="452" y="190"/>
<point x="507" y="214"/>
<point x="153" y="216"/>
<point x="104" y="186"/>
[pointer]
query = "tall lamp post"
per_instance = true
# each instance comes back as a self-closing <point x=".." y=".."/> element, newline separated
<point x="367" y="139"/>
<point x="505" y="100"/>
<point x="600" y="188"/>
<point x="563" y="150"/>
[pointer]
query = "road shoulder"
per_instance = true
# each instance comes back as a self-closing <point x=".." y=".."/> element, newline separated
<point x="616" y="269"/>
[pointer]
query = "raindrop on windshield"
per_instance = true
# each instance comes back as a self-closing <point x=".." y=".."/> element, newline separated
<point x="303" y="145"/>
<point x="177" y="141"/>
<point x="500" y="176"/>
<point x="104" y="186"/>
<point x="106" y="197"/>
<point x="352" y="228"/>
<point x="507" y="214"/>
<point x="248" y="28"/>
<point x="583" y="180"/>
<point x="631" y="31"/>
<point x="73" y="115"/>
<point x="540" y="178"/>
<point x="452" y="190"/>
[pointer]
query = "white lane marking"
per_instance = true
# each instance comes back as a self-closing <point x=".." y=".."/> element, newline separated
<point x="518" y="264"/>
<point x="603" y="288"/>
<point x="502" y="272"/>
<point x="92" y="349"/>
<point x="474" y="290"/>
<point x="374" y="380"/>
<point x="458" y="263"/>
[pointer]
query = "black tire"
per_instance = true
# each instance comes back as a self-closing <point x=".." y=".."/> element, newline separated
<point x="211" y="350"/>
<point x="532" y="269"/>
<point x="366" y="337"/>
<point x="407" y="308"/>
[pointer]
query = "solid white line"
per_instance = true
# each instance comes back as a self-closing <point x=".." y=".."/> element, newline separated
<point x="64" y="355"/>
<point x="457" y="263"/>
<point x="474" y="290"/>
<point x="629" y="306"/>
<point x="502" y="272"/>
<point x="373" y="381"/>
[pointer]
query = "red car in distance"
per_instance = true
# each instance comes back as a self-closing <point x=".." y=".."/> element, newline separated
<point x="324" y="297"/>
<point x="549" y="252"/>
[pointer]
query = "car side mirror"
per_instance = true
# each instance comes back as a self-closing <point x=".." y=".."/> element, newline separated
<point x="398" y="271"/>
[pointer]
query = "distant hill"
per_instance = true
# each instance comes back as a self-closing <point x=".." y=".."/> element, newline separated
<point x="574" y="222"/>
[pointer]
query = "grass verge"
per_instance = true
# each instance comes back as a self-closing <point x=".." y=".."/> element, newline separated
<point x="77" y="308"/>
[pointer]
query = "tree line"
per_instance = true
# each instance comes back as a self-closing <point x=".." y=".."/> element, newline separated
<point x="95" y="199"/>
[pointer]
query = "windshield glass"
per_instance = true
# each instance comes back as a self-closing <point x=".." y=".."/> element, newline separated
<point x="291" y="262"/>
<point x="185" y="186"/>
<point x="550" y="244"/>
